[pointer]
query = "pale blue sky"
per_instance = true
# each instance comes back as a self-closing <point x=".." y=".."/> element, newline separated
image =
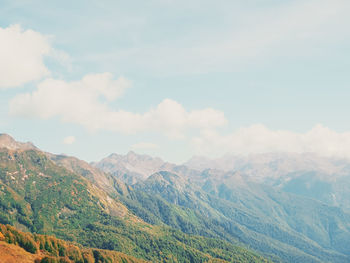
<point x="280" y="64"/>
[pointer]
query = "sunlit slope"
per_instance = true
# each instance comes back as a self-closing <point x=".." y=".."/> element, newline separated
<point x="17" y="246"/>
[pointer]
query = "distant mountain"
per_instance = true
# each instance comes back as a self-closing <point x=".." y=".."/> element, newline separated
<point x="132" y="167"/>
<point x="260" y="167"/>
<point x="272" y="165"/>
<point x="324" y="179"/>
<point x="310" y="175"/>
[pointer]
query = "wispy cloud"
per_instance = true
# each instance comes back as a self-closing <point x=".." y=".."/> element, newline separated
<point x="260" y="139"/>
<point x="247" y="36"/>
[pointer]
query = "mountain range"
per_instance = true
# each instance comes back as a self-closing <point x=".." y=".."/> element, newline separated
<point x="307" y="174"/>
<point x="63" y="196"/>
<point x="268" y="207"/>
<point x="291" y="205"/>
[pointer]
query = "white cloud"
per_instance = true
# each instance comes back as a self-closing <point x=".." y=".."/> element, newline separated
<point x="171" y="118"/>
<point x="69" y="140"/>
<point x="86" y="102"/>
<point x="22" y="56"/>
<point x="259" y="139"/>
<point x="144" y="146"/>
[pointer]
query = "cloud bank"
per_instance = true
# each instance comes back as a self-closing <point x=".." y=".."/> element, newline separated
<point x="248" y="35"/>
<point x="86" y="102"/>
<point x="260" y="139"/>
<point x="89" y="102"/>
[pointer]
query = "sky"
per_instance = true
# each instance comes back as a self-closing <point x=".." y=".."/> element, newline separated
<point x="176" y="78"/>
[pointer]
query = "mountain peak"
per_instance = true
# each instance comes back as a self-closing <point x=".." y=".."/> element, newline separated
<point x="140" y="165"/>
<point x="6" y="141"/>
<point x="132" y="153"/>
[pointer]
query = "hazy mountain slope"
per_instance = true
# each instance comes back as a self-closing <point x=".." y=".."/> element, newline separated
<point x="267" y="220"/>
<point x="327" y="225"/>
<point x="330" y="189"/>
<point x="321" y="178"/>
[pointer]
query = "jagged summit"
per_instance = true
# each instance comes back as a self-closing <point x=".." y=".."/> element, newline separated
<point x="140" y="164"/>
<point x="6" y="141"/>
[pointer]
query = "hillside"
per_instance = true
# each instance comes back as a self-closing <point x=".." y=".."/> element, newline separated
<point x="233" y="206"/>
<point x="271" y="222"/>
<point x="17" y="246"/>
<point x="40" y="196"/>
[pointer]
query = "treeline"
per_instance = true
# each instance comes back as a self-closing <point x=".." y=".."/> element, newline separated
<point x="52" y="250"/>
